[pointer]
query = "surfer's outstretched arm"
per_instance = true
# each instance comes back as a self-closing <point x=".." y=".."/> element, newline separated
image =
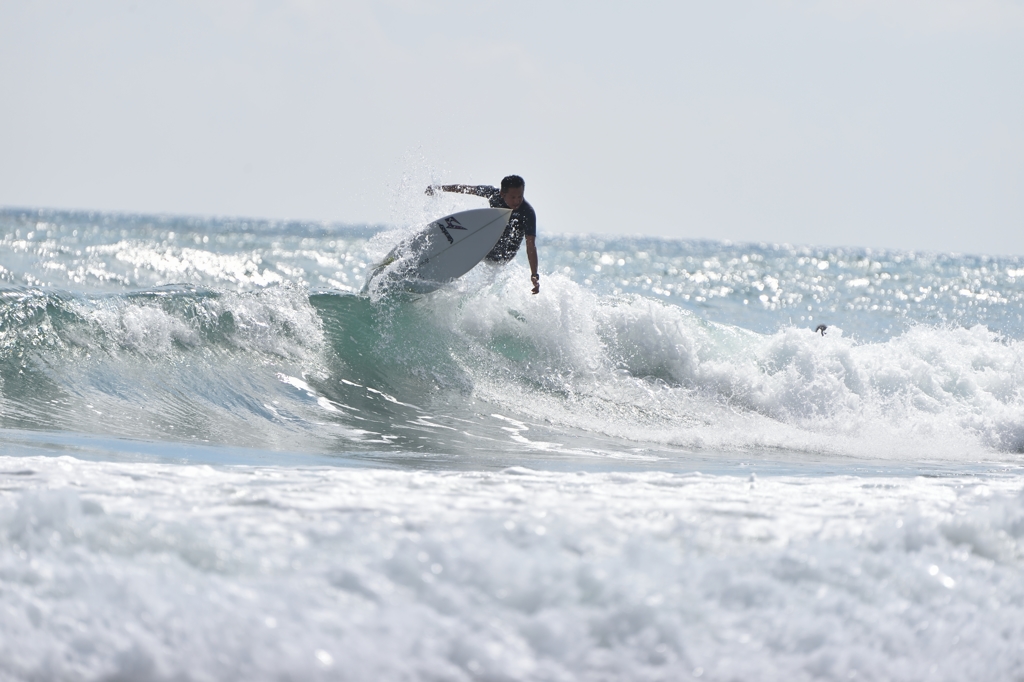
<point x="485" y="191"/>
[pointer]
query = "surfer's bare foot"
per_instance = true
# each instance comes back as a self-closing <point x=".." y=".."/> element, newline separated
<point x="536" y="283"/>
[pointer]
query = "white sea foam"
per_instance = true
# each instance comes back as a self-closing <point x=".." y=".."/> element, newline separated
<point x="154" y="572"/>
<point x="643" y="369"/>
<point x="277" y="321"/>
<point x="145" y="329"/>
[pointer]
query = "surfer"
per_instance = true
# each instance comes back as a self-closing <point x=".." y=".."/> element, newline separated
<point x="522" y="224"/>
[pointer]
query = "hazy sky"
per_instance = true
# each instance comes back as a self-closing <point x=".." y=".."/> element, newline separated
<point x="864" y="122"/>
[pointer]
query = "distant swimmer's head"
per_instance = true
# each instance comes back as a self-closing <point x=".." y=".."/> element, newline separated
<point x="512" y="189"/>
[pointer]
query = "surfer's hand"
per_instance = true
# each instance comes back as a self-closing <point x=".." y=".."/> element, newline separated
<point x="430" y="191"/>
<point x="536" y="283"/>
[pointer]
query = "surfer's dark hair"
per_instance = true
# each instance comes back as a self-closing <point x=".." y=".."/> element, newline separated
<point x="510" y="181"/>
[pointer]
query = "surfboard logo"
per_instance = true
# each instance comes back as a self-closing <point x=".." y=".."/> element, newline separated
<point x="450" y="223"/>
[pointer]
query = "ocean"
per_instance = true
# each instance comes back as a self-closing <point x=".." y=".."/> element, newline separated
<point x="219" y="461"/>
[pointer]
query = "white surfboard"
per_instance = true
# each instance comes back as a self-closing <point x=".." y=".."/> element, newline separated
<point x="443" y="251"/>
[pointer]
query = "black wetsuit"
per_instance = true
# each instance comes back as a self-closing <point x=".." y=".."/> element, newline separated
<point x="522" y="223"/>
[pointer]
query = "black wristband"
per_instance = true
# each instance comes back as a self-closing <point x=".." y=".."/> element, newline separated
<point x="537" y="275"/>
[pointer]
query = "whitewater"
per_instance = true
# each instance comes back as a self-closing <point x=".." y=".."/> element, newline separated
<point x="219" y="461"/>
